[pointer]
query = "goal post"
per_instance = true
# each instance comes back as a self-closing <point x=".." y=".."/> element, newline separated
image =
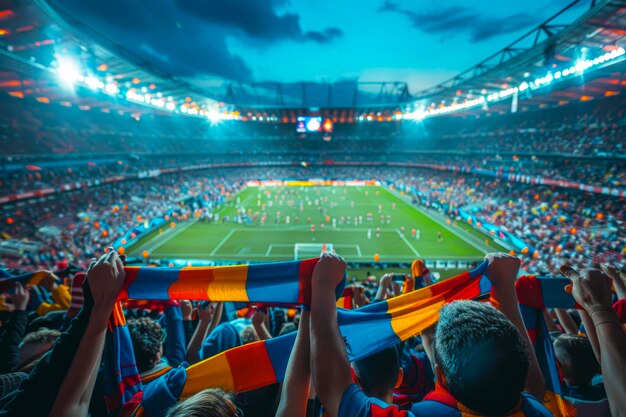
<point x="311" y="250"/>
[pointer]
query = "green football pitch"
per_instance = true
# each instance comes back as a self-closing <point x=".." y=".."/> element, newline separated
<point x="355" y="238"/>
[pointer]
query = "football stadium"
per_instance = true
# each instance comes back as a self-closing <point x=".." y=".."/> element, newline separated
<point x="306" y="209"/>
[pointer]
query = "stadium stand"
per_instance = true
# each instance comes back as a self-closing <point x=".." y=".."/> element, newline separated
<point x="469" y="240"/>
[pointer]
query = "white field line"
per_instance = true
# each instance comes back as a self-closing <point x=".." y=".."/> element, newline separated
<point x="404" y="239"/>
<point x="480" y="248"/>
<point x="400" y="258"/>
<point x="219" y="245"/>
<point x="172" y="235"/>
<point x="291" y="245"/>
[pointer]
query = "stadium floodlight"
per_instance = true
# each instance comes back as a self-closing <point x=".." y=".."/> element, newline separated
<point x="132" y="96"/>
<point x="92" y="82"/>
<point x="416" y="115"/>
<point x="68" y="71"/>
<point x="111" y="89"/>
<point x="215" y="117"/>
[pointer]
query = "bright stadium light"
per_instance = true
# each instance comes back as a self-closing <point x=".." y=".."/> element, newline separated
<point x="111" y="89"/>
<point x="68" y="71"/>
<point x="92" y="82"/>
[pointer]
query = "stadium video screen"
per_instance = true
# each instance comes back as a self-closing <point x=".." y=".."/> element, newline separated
<point x="312" y="124"/>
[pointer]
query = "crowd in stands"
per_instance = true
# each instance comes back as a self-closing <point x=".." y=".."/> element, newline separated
<point x="587" y="129"/>
<point x="29" y="176"/>
<point x="470" y="358"/>
<point x="560" y="225"/>
<point x="584" y="129"/>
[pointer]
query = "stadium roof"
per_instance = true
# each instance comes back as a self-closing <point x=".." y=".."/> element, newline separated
<point x="39" y="46"/>
<point x="550" y="47"/>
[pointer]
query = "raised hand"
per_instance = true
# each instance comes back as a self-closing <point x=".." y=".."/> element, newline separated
<point x="396" y="288"/>
<point x="206" y="312"/>
<point x="591" y="288"/>
<point x="502" y="270"/>
<point x="187" y="309"/>
<point x="329" y="271"/>
<point x="611" y="271"/>
<point x="20" y="297"/>
<point x="259" y="317"/>
<point x="106" y="278"/>
<point x="619" y="280"/>
<point x="359" y="295"/>
<point x="384" y="287"/>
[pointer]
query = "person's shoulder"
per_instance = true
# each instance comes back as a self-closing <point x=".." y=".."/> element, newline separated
<point x="355" y="403"/>
<point x="532" y="407"/>
<point x="433" y="409"/>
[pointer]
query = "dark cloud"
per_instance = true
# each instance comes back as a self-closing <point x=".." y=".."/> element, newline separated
<point x="257" y="19"/>
<point x="160" y="34"/>
<point x="455" y="20"/>
<point x="188" y="38"/>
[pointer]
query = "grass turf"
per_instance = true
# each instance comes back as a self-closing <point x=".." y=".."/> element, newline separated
<point x="275" y="240"/>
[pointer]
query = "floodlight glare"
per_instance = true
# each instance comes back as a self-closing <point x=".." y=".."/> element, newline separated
<point x="111" y="89"/>
<point x="92" y="82"/>
<point x="68" y="71"/>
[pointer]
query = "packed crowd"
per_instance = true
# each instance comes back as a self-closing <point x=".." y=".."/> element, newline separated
<point x="63" y="346"/>
<point x="593" y="130"/>
<point x="562" y="226"/>
<point x="558" y="225"/>
<point x="36" y="175"/>
<point x="584" y="129"/>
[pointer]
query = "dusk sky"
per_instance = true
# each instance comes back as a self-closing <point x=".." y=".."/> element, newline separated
<point x="420" y="42"/>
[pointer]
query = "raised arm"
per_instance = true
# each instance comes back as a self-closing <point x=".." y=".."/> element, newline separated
<point x="547" y="317"/>
<point x="428" y="340"/>
<point x="295" y="389"/>
<point x="502" y="272"/>
<point x="329" y="361"/>
<point x="567" y="322"/>
<point x="618" y="280"/>
<point x="106" y="277"/>
<point x="175" y="349"/>
<point x="208" y="318"/>
<point x="14" y="331"/>
<point x="258" y="322"/>
<point x="592" y="290"/>
<point x="384" y="287"/>
<point x="590" y="331"/>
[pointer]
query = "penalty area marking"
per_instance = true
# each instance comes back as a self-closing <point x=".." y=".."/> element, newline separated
<point x="219" y="245"/>
<point x="291" y="245"/>
<point x="404" y="239"/>
<point x="441" y="223"/>
<point x="172" y="235"/>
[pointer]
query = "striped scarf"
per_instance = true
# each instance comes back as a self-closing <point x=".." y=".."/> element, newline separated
<point x="123" y="390"/>
<point x="284" y="283"/>
<point x="534" y="295"/>
<point x="366" y="330"/>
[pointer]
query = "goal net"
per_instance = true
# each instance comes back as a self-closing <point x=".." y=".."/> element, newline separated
<point x="311" y="250"/>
